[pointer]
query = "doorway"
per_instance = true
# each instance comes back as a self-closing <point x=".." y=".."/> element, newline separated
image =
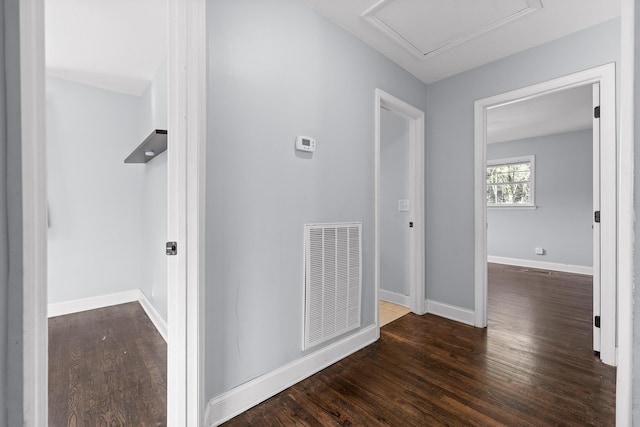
<point x="542" y="189"/>
<point x="604" y="180"/>
<point x="406" y="212"/>
<point x="185" y="166"/>
<point x="107" y="204"/>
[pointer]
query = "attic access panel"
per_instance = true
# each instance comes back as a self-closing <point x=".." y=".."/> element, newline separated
<point x="427" y="28"/>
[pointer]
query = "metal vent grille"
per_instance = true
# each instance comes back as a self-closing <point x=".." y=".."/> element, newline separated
<point x="333" y="280"/>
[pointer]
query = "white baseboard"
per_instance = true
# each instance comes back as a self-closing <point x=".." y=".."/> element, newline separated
<point x="543" y="265"/>
<point x="394" y="298"/>
<point x="451" y="312"/>
<point x="154" y="316"/>
<point x="93" y="303"/>
<point x="226" y="406"/>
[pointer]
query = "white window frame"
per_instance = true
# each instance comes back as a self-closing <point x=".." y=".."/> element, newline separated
<point x="531" y="159"/>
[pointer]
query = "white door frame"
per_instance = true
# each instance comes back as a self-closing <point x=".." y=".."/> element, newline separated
<point x="187" y="94"/>
<point x="605" y="75"/>
<point x="624" y="371"/>
<point x="186" y="203"/>
<point x="416" y="191"/>
<point x="34" y="214"/>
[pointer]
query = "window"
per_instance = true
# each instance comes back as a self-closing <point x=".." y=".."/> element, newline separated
<point x="510" y="182"/>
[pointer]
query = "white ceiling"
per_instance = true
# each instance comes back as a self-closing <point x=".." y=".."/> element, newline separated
<point x="112" y="44"/>
<point x="564" y="111"/>
<point x="434" y="39"/>
<point x="119" y="44"/>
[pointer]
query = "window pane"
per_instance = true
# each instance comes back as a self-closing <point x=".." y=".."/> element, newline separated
<point x="491" y="194"/>
<point x="509" y="194"/>
<point x="526" y="198"/>
<point x="491" y="175"/>
<point x="503" y="174"/>
<point x="518" y="194"/>
<point x="520" y="176"/>
<point x="512" y="173"/>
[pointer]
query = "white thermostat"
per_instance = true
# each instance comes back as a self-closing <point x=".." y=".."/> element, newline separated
<point x="306" y="143"/>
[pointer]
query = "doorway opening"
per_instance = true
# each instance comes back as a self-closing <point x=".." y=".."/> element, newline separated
<point x="542" y="190"/>
<point x="185" y="168"/>
<point x="395" y="215"/>
<point x="602" y="80"/>
<point x="399" y="201"/>
<point x="107" y="195"/>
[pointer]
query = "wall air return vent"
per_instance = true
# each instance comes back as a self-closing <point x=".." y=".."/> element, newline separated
<point x="333" y="280"/>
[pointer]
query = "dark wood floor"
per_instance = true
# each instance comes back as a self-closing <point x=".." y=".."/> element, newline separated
<point x="107" y="367"/>
<point x="533" y="366"/>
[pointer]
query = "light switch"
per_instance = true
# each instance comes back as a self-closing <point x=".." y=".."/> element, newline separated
<point x="403" y="205"/>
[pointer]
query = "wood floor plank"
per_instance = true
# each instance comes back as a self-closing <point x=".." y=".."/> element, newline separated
<point x="107" y="367"/>
<point x="532" y="366"/>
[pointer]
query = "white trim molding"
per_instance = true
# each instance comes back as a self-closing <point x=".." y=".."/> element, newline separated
<point x="605" y="75"/>
<point x="196" y="161"/>
<point x="395" y="298"/>
<point x="247" y="395"/>
<point x="34" y="214"/>
<point x="108" y="300"/>
<point x="543" y="265"/>
<point x="186" y="163"/>
<point x="451" y="312"/>
<point x="92" y="303"/>
<point x="626" y="214"/>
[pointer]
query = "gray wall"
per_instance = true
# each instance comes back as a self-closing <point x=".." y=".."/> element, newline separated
<point x="561" y="224"/>
<point x="94" y="197"/>
<point x="153" y="110"/>
<point x="10" y="220"/>
<point x="449" y="134"/>
<point x="278" y="69"/>
<point x="394" y="185"/>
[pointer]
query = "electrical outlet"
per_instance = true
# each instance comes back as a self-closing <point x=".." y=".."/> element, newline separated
<point x="539" y="251"/>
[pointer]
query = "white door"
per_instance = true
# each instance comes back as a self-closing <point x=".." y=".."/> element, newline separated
<point x="596" y="218"/>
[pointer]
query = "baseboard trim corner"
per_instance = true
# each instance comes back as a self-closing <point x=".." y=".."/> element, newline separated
<point x="93" y="303"/>
<point x="394" y="297"/>
<point x="226" y="406"/>
<point x="451" y="312"/>
<point x="153" y="315"/>
<point x="543" y="265"/>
